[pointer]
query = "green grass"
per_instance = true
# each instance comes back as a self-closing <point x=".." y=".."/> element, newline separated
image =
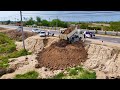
<point x="15" y="54"/>
<point x="76" y="73"/>
<point x="8" y="50"/>
<point x="28" y="75"/>
<point x="59" y="76"/>
<point x="6" y="44"/>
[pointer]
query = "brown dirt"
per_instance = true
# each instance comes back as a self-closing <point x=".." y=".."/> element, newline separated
<point x="15" y="35"/>
<point x="61" y="55"/>
<point x="68" y="30"/>
<point x="1" y="28"/>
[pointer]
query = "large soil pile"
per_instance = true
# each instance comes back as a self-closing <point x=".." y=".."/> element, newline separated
<point x="68" y="30"/>
<point x="61" y="55"/>
<point x="15" y="35"/>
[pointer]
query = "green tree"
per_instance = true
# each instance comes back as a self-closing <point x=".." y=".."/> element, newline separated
<point x="30" y="22"/>
<point x="45" y="23"/>
<point x="84" y="26"/>
<point x="59" y="23"/>
<point x="38" y="19"/>
<point x="115" y="26"/>
<point x="8" y="22"/>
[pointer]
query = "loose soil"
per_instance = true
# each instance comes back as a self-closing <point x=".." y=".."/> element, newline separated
<point x="17" y="36"/>
<point x="61" y="55"/>
<point x="68" y="30"/>
<point x="1" y="28"/>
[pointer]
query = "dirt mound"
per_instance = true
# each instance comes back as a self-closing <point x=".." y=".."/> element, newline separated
<point x="1" y="28"/>
<point x="15" y="35"/>
<point x="61" y="55"/>
<point x="105" y="60"/>
<point x="68" y="30"/>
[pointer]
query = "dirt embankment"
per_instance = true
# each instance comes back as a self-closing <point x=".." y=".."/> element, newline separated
<point x="61" y="55"/>
<point x="1" y="28"/>
<point x="17" y="36"/>
<point x="105" y="60"/>
<point x="36" y="43"/>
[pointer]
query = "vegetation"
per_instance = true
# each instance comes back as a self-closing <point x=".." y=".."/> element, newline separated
<point x="87" y="26"/>
<point x="30" y="22"/>
<point x="115" y="26"/>
<point x="6" y="44"/>
<point x="28" y="75"/>
<point x="76" y="73"/>
<point x="15" y="54"/>
<point x="44" y="22"/>
<point x="8" y="50"/>
<point x="84" y="26"/>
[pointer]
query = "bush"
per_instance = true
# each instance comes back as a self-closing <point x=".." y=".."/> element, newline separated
<point x="115" y="26"/>
<point x="28" y="75"/>
<point x="94" y="28"/>
<point x="84" y="26"/>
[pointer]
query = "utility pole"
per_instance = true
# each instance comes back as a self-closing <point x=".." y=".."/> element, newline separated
<point x="22" y="31"/>
<point x="56" y="22"/>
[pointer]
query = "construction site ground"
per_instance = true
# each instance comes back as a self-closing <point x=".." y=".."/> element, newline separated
<point x="55" y="56"/>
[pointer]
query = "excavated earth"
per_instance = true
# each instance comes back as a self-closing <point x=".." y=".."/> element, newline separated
<point x="68" y="30"/>
<point x="61" y="55"/>
<point x="105" y="60"/>
<point x="17" y="36"/>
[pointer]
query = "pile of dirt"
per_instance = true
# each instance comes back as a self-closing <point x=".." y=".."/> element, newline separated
<point x="105" y="60"/>
<point x="1" y="28"/>
<point x="61" y="55"/>
<point x="15" y="35"/>
<point x="68" y="30"/>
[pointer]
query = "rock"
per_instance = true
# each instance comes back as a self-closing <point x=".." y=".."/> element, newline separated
<point x="10" y="70"/>
<point x="37" y="66"/>
<point x="45" y="69"/>
<point x="13" y="66"/>
<point x="26" y="63"/>
<point x="2" y="71"/>
<point x="12" y="60"/>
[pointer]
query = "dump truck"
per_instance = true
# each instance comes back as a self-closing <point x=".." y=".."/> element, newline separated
<point x="73" y="36"/>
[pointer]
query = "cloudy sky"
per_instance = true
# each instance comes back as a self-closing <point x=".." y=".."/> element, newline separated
<point x="63" y="15"/>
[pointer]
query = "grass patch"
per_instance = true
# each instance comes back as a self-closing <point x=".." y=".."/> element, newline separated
<point x="28" y="75"/>
<point x="15" y="54"/>
<point x="6" y="44"/>
<point x="8" y="50"/>
<point x="76" y="73"/>
<point x="59" y="76"/>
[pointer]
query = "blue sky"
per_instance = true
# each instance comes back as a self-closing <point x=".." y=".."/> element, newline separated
<point x="64" y="15"/>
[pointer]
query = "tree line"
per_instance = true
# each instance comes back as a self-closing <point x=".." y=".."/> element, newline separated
<point x="40" y="22"/>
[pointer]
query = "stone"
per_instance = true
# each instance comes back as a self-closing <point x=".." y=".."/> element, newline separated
<point x="2" y="71"/>
<point x="45" y="69"/>
<point x="37" y="66"/>
<point x="13" y="66"/>
<point x="10" y="70"/>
